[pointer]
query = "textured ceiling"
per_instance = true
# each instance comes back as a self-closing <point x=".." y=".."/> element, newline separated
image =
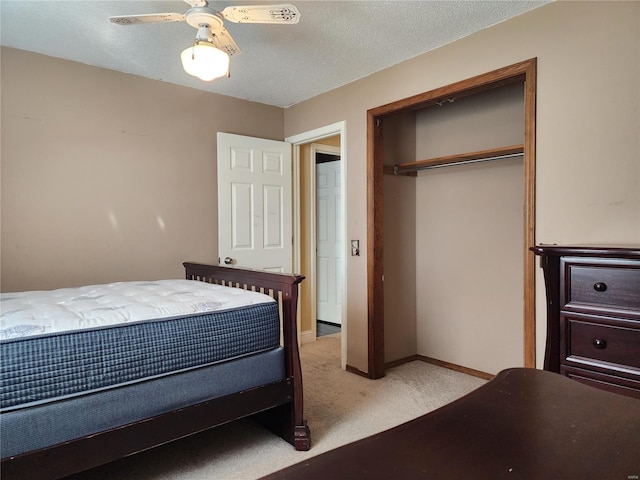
<point x="335" y="43"/>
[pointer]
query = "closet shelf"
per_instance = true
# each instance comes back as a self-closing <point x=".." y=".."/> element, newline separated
<point x="410" y="168"/>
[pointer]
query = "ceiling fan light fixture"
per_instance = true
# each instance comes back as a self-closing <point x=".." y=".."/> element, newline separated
<point x="205" y="61"/>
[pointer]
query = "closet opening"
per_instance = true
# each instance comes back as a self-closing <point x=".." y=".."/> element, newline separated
<point x="399" y="160"/>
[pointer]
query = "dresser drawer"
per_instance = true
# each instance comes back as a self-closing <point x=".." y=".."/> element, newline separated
<point x="602" y="286"/>
<point x="623" y="386"/>
<point x="593" y="314"/>
<point x="593" y="341"/>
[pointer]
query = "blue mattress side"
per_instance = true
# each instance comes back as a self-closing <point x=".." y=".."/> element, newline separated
<point x="44" y="368"/>
<point x="31" y="428"/>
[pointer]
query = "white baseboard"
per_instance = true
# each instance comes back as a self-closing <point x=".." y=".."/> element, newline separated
<point x="307" y="337"/>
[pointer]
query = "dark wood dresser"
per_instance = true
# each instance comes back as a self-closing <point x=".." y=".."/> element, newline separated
<point x="593" y="315"/>
<point x="523" y="424"/>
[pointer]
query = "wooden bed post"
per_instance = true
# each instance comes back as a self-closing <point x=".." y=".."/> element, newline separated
<point x="286" y="420"/>
<point x="301" y="434"/>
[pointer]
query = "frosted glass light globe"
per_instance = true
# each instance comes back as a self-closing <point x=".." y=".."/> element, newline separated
<point x="205" y="61"/>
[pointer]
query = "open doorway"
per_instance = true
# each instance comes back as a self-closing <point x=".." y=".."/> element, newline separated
<point x="322" y="283"/>
<point x="328" y="235"/>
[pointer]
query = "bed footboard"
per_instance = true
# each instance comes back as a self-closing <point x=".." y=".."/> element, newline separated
<point x="286" y="420"/>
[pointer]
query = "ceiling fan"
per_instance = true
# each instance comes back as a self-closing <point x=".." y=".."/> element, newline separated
<point x="208" y="57"/>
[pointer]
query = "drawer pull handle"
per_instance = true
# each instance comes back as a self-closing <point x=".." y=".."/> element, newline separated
<point x="600" y="286"/>
<point x="600" y="344"/>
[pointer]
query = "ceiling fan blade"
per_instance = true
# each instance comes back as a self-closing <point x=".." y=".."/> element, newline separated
<point x="196" y="3"/>
<point x="147" y="18"/>
<point x="224" y="41"/>
<point x="284" y="13"/>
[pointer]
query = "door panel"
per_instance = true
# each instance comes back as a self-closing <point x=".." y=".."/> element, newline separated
<point x="254" y="202"/>
<point x="329" y="242"/>
<point x="241" y="214"/>
<point x="273" y="213"/>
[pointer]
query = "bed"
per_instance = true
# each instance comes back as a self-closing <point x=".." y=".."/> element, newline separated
<point x="101" y="381"/>
<point x="523" y="424"/>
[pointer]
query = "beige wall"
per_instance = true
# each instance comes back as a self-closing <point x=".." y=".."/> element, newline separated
<point x="400" y="241"/>
<point x="108" y="176"/>
<point x="470" y="265"/>
<point x="305" y="238"/>
<point x="588" y="171"/>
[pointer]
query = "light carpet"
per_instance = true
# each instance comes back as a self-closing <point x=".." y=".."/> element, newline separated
<point x="340" y="407"/>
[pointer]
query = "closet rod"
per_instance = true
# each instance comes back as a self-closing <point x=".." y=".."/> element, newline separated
<point x="410" y="168"/>
<point x="397" y="170"/>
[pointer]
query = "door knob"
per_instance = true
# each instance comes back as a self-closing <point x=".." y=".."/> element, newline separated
<point x="228" y="260"/>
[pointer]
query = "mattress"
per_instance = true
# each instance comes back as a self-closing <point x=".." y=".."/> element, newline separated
<point x="86" y="349"/>
<point x="169" y="342"/>
<point x="51" y="311"/>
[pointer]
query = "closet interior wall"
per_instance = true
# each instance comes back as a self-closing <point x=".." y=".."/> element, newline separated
<point x="400" y="321"/>
<point x="454" y="235"/>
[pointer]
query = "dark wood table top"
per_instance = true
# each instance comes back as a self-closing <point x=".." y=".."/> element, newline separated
<point x="523" y="424"/>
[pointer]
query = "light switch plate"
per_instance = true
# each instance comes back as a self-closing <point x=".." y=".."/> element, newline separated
<point x="355" y="248"/>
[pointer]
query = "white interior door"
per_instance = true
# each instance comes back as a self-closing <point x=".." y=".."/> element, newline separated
<point x="254" y="203"/>
<point x="329" y="242"/>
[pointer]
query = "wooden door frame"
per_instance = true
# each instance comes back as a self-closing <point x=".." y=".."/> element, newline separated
<point x="520" y="72"/>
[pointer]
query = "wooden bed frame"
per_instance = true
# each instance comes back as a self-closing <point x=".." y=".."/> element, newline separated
<point x="279" y="405"/>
